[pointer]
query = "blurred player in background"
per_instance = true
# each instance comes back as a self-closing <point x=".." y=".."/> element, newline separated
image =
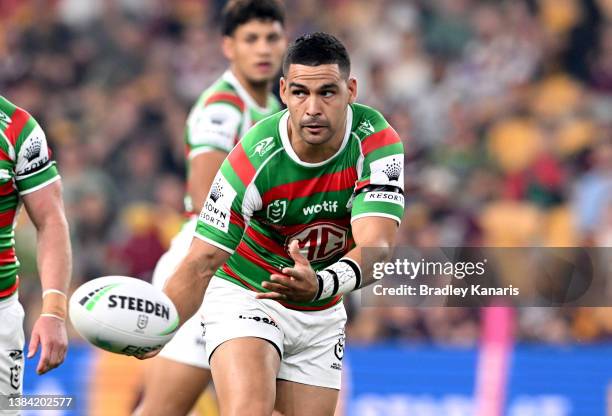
<point x="304" y="190"/>
<point x="29" y="176"/>
<point x="254" y="43"/>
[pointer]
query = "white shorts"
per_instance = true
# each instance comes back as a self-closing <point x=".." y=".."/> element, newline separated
<point x="12" y="341"/>
<point x="310" y="343"/>
<point x="187" y="345"/>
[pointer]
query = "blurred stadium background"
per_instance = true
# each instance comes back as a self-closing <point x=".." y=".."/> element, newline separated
<point x="505" y="108"/>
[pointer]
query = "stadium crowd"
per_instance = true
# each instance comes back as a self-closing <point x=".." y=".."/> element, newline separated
<point x="505" y="108"/>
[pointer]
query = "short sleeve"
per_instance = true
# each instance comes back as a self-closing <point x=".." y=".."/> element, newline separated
<point x="34" y="168"/>
<point x="379" y="190"/>
<point x="213" y="127"/>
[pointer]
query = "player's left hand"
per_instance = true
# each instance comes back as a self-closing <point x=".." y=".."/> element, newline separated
<point x="50" y="333"/>
<point x="297" y="284"/>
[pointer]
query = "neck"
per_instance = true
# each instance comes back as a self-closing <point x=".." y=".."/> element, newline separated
<point x="258" y="91"/>
<point x="314" y="153"/>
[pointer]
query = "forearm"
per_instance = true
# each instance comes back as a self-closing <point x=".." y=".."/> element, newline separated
<point x="186" y="287"/>
<point x="54" y="256"/>
<point x="366" y="256"/>
<point x="374" y="239"/>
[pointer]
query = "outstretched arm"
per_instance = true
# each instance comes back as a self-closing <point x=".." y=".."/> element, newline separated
<point x="187" y="285"/>
<point x="46" y="210"/>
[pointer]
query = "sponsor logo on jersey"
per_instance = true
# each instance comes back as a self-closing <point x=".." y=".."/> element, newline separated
<point x="263" y="146"/>
<point x="140" y="305"/>
<point x="276" y="210"/>
<point x="393" y="197"/>
<point x="388" y="170"/>
<point x="366" y="127"/>
<point x="326" y="206"/>
<point x="321" y="241"/>
<point x="33" y="153"/>
<point x="217" y="207"/>
<point x="33" y="149"/>
<point x="4" y="118"/>
<point x="214" y="125"/>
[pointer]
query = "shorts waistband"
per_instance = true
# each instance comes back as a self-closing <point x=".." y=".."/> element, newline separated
<point x="8" y="301"/>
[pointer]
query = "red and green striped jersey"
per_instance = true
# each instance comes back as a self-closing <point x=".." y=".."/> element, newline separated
<point x="25" y="166"/>
<point x="221" y="116"/>
<point x="264" y="196"/>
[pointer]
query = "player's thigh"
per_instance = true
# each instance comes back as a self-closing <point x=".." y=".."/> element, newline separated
<point x="296" y="399"/>
<point x="244" y="372"/>
<point x="172" y="387"/>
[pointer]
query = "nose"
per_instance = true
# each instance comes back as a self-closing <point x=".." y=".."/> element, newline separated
<point x="263" y="47"/>
<point x="313" y="106"/>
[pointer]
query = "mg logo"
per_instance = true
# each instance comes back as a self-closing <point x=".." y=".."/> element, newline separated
<point x="321" y="241"/>
<point x="276" y="210"/>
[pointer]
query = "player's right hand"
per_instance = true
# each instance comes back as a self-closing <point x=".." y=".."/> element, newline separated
<point x="50" y="333"/>
<point x="296" y="284"/>
<point x="148" y="355"/>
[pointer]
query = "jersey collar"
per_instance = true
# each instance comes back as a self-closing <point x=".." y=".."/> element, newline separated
<point x="229" y="77"/>
<point x="284" y="135"/>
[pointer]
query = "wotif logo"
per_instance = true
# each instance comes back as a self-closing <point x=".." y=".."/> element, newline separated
<point x="326" y="206"/>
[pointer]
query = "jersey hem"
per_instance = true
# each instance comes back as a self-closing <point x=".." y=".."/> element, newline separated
<point x="213" y="243"/>
<point x="377" y="214"/>
<point x="204" y="149"/>
<point x="40" y="186"/>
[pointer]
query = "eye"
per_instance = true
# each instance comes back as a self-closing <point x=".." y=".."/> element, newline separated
<point x="327" y="94"/>
<point x="273" y="38"/>
<point x="299" y="93"/>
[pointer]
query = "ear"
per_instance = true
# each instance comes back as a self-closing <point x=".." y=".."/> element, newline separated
<point x="227" y="46"/>
<point x="352" y="87"/>
<point x="283" y="90"/>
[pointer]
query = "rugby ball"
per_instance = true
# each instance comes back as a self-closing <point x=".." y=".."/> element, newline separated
<point x="123" y="315"/>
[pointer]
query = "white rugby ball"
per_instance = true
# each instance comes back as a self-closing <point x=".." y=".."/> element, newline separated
<point x="123" y="315"/>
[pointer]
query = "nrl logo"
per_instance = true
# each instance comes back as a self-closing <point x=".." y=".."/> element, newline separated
<point x="276" y="210"/>
<point x="366" y="127"/>
<point x="143" y="321"/>
<point x="263" y="146"/>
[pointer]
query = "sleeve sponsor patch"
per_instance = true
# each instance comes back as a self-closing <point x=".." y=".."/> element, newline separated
<point x="218" y="205"/>
<point x="381" y="196"/>
<point x="388" y="170"/>
<point x="215" y="125"/>
<point x="33" y="153"/>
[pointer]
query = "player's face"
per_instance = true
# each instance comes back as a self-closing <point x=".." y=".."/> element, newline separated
<point x="256" y="50"/>
<point x="317" y="97"/>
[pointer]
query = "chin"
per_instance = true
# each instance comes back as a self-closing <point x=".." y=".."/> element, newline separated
<point x="316" y="140"/>
<point x="259" y="81"/>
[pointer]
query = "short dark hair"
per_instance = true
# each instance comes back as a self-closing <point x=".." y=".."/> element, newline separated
<point x="239" y="12"/>
<point x="318" y="49"/>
